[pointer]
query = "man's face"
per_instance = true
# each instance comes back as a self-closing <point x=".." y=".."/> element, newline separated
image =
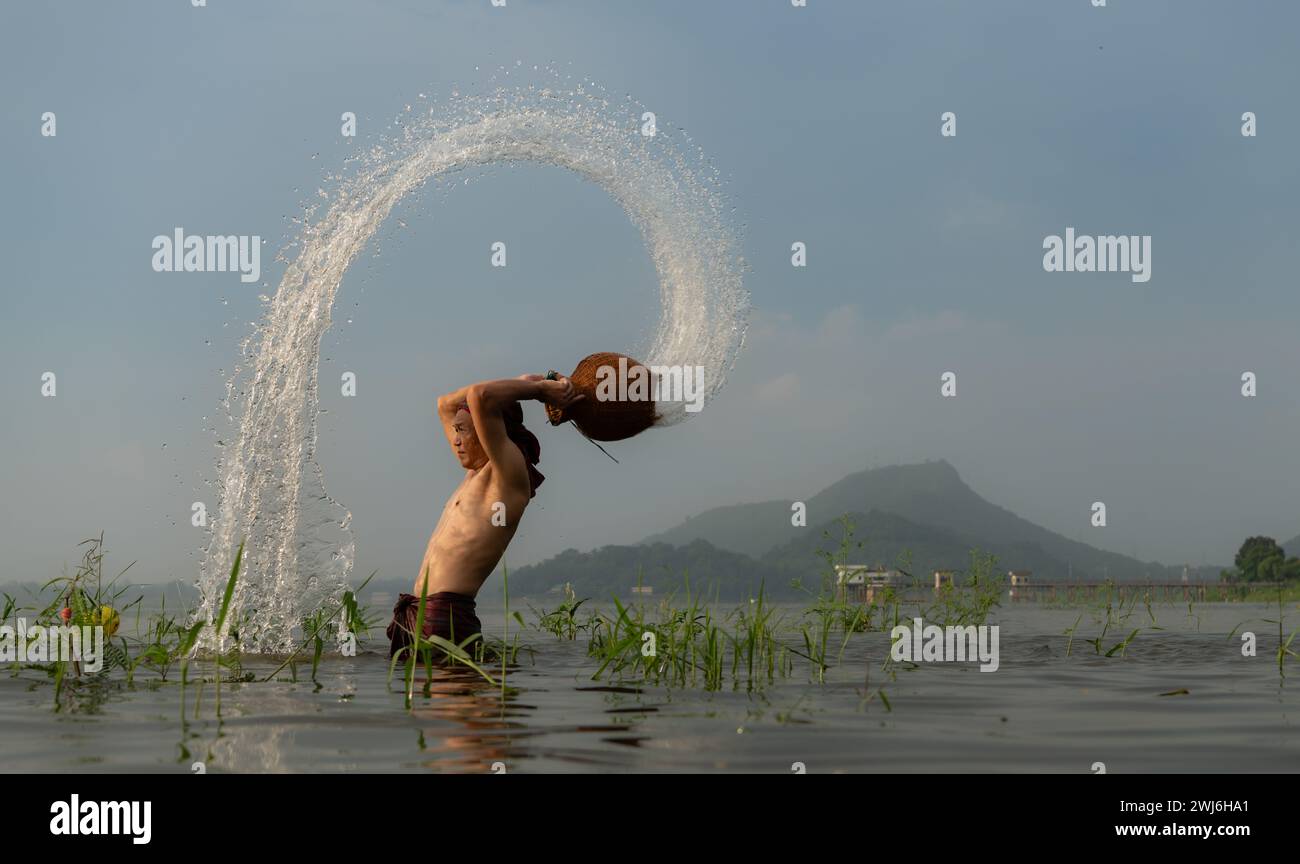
<point x="463" y="440"/>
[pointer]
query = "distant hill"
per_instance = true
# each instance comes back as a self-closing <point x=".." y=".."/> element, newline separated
<point x="888" y="540"/>
<point x="930" y="494"/>
<point x="919" y="517"/>
<point x="613" y="570"/>
<point x="875" y="538"/>
<point x="1292" y="546"/>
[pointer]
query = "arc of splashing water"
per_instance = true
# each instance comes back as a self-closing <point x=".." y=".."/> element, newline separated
<point x="298" y="551"/>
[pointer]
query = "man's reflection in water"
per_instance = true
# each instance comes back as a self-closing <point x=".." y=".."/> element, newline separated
<point x="461" y="696"/>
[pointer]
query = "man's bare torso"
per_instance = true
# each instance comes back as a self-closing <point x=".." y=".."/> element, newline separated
<point x="468" y="542"/>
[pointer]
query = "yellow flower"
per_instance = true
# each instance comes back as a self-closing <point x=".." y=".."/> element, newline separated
<point x="108" y="617"/>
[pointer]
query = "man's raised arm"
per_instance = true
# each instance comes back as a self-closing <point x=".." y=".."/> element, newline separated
<point x="495" y="394"/>
<point x="486" y="400"/>
<point x="489" y="399"/>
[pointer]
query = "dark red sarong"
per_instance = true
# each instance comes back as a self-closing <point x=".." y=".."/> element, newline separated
<point x="446" y="614"/>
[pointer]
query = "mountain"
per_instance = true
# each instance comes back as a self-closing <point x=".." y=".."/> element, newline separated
<point x="921" y="518"/>
<point x="931" y="494"/>
<point x="875" y="538"/>
<point x="614" y="570"/>
<point x="1292" y="546"/>
<point x="734" y="527"/>
<point x="888" y="540"/>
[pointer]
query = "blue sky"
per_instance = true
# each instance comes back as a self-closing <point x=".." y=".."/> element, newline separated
<point x="924" y="256"/>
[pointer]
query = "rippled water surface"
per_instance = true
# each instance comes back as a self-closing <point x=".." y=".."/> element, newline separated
<point x="1042" y="711"/>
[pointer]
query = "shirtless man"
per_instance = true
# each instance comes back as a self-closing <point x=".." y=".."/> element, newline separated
<point x="485" y="427"/>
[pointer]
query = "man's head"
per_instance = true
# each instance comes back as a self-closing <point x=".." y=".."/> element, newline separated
<point x="465" y="442"/>
<point x="469" y="450"/>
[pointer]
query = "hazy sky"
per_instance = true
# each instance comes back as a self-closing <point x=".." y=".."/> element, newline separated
<point x="925" y="256"/>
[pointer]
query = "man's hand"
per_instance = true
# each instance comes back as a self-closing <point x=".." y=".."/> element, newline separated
<point x="559" y="392"/>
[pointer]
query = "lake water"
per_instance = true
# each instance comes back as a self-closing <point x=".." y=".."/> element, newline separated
<point x="1041" y="711"/>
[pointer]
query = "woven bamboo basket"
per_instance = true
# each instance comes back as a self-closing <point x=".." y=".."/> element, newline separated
<point x="608" y="419"/>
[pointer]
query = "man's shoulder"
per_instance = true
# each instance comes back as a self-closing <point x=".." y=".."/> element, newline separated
<point x="514" y="479"/>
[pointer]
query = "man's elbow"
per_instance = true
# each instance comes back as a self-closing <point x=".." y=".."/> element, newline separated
<point x="478" y="398"/>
